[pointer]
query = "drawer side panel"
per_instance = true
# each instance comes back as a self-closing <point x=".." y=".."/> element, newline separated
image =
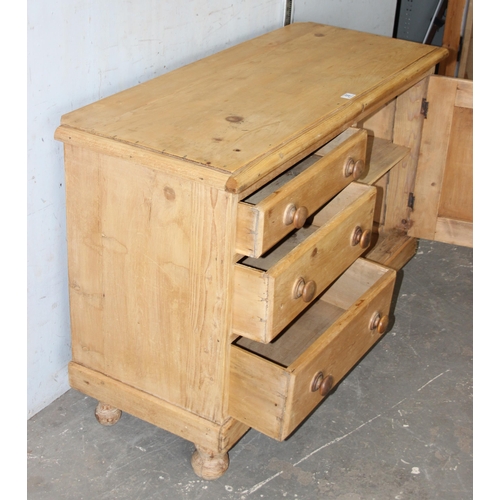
<point x="257" y="392"/>
<point x="250" y="302"/>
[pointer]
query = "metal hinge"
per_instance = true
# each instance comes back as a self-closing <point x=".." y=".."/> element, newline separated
<point x="411" y="201"/>
<point x="425" y="107"/>
<point x="460" y="47"/>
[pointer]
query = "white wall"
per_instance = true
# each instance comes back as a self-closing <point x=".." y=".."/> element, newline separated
<point x="371" y="16"/>
<point x="80" y="51"/>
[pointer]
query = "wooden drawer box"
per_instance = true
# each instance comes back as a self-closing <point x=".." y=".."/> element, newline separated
<point x="264" y="219"/>
<point x="269" y="292"/>
<point x="271" y="385"/>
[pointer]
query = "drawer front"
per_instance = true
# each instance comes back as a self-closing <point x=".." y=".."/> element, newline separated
<point x="265" y="301"/>
<point x="261" y="225"/>
<point x="274" y="394"/>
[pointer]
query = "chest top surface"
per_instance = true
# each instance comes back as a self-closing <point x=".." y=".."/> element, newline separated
<point x="245" y="109"/>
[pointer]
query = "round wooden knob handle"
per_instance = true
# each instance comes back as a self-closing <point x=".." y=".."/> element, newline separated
<point x="348" y="166"/>
<point x="354" y="168"/>
<point x="363" y="238"/>
<point x="379" y="322"/>
<point x="359" y="168"/>
<point x="322" y="384"/>
<point x="366" y="238"/>
<point x="304" y="289"/>
<point x="295" y="216"/>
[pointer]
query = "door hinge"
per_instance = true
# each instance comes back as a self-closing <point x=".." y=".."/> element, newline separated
<point x="411" y="201"/>
<point x="460" y="47"/>
<point x="425" y="107"/>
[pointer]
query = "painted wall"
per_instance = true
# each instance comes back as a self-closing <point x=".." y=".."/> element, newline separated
<point x="80" y="51"/>
<point x="371" y="16"/>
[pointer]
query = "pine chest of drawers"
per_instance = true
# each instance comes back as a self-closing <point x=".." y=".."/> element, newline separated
<point x="235" y="227"/>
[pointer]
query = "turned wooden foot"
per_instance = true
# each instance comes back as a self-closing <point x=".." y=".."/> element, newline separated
<point x="107" y="414"/>
<point x="209" y="464"/>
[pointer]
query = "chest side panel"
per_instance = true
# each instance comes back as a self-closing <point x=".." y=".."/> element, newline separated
<point x="149" y="270"/>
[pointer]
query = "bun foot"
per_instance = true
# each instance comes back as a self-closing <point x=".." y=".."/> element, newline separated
<point x="107" y="414"/>
<point x="208" y="464"/>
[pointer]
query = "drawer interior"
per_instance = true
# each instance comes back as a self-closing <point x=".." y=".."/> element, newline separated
<point x="282" y="179"/>
<point x="288" y="347"/>
<point x="295" y="339"/>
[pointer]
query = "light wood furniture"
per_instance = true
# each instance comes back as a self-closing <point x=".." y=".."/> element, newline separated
<point x="235" y="227"/>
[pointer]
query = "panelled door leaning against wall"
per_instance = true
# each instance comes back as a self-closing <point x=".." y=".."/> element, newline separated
<point x="442" y="206"/>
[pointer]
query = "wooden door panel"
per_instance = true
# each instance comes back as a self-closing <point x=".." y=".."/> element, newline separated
<point x="456" y="197"/>
<point x="443" y="204"/>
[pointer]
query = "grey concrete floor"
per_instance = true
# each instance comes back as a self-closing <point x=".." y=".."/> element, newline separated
<point x="398" y="427"/>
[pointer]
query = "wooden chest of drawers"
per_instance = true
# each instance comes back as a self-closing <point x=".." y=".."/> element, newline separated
<point x="235" y="227"/>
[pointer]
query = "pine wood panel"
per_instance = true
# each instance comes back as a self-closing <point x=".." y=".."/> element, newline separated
<point x="407" y="132"/>
<point x="455" y="232"/>
<point x="379" y="214"/>
<point x="380" y="127"/>
<point x="433" y="158"/>
<point x="147" y="280"/>
<point x="85" y="259"/>
<point x="456" y="195"/>
<point x="258" y="124"/>
<point x="270" y="384"/>
<point x="264" y="315"/>
<point x="382" y="156"/>
<point x="381" y="123"/>
<point x="393" y="249"/>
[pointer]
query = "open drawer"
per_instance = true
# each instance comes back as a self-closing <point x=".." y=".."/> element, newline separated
<point x="273" y="387"/>
<point x="284" y="204"/>
<point x="271" y="291"/>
